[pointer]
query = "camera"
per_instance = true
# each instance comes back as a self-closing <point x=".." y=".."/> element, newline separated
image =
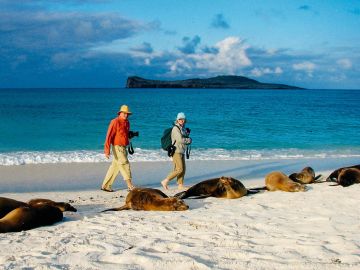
<point x="133" y="134"/>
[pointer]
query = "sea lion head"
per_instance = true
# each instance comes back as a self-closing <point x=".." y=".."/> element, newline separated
<point x="66" y="207"/>
<point x="309" y="171"/>
<point x="178" y="204"/>
<point x="298" y="187"/>
<point x="226" y="181"/>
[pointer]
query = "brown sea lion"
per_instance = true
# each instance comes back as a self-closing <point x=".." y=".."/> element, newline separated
<point x="223" y="187"/>
<point x="150" y="199"/>
<point x="7" y="205"/>
<point x="348" y="177"/>
<point x="279" y="181"/>
<point x="63" y="206"/>
<point x="306" y="176"/>
<point x="29" y="217"/>
<point x="334" y="175"/>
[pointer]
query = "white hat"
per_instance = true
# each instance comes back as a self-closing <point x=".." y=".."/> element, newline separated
<point x="180" y="115"/>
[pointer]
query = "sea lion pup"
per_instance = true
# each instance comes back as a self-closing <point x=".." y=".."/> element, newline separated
<point x="29" y="217"/>
<point x="306" y="176"/>
<point x="61" y="205"/>
<point x="223" y="187"/>
<point x="279" y="181"/>
<point x="150" y="199"/>
<point x="348" y="177"/>
<point x="7" y="205"/>
<point x="334" y="175"/>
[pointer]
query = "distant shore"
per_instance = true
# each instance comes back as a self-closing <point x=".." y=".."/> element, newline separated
<point x="218" y="82"/>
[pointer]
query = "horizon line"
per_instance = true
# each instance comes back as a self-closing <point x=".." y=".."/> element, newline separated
<point x="49" y="87"/>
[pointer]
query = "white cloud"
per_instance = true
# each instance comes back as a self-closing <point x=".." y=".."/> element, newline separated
<point x="147" y="61"/>
<point x="228" y="57"/>
<point x="305" y="66"/>
<point x="258" y="72"/>
<point x="344" y="63"/>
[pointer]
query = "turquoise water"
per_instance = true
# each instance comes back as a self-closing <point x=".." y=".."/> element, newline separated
<point x="69" y="125"/>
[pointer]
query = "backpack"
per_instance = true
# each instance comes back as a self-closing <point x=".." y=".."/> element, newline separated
<point x="166" y="138"/>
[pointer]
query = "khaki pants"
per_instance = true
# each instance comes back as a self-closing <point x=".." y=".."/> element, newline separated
<point x="120" y="164"/>
<point x="179" y="168"/>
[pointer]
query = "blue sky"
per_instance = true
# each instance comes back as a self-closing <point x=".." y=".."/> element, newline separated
<point x="99" y="43"/>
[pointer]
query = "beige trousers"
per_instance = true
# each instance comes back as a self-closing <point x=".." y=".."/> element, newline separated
<point x="179" y="168"/>
<point x="120" y="164"/>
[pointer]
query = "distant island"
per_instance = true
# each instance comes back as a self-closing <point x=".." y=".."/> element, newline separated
<point x="234" y="82"/>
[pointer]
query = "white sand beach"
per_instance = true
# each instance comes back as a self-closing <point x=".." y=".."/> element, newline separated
<point x="316" y="229"/>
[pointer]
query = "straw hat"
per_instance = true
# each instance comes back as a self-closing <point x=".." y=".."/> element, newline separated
<point x="124" y="109"/>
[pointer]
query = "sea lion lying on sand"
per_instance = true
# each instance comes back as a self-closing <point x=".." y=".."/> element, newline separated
<point x="333" y="177"/>
<point x="150" y="199"/>
<point x="279" y="181"/>
<point x="18" y="216"/>
<point x="7" y="205"/>
<point x="29" y="217"/>
<point x="348" y="177"/>
<point x="223" y="187"/>
<point x="306" y="176"/>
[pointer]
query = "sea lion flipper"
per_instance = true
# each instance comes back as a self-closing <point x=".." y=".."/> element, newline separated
<point x="317" y="177"/>
<point x="252" y="191"/>
<point x="259" y="188"/>
<point x="331" y="179"/>
<point x="180" y="195"/>
<point x="201" y="196"/>
<point x="124" y="207"/>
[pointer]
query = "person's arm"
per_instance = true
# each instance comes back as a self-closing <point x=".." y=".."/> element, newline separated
<point x="109" y="136"/>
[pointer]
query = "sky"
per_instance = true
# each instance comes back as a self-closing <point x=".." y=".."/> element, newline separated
<point x="99" y="43"/>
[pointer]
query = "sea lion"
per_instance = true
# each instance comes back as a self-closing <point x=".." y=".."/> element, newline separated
<point x="7" y="205"/>
<point x="63" y="206"/>
<point x="279" y="181"/>
<point x="29" y="217"/>
<point x="306" y="176"/>
<point x="334" y="175"/>
<point x="150" y="199"/>
<point x="348" y="177"/>
<point x="223" y="187"/>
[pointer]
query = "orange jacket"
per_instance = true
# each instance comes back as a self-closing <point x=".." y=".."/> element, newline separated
<point x="117" y="134"/>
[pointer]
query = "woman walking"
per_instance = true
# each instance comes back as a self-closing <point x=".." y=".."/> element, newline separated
<point x="180" y="139"/>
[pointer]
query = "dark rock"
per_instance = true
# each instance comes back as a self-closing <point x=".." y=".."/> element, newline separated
<point x="236" y="82"/>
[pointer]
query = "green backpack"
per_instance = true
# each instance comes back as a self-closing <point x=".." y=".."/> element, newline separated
<point x="166" y="138"/>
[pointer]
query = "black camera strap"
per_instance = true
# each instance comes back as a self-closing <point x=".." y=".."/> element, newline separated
<point x="131" y="149"/>
<point x="188" y="150"/>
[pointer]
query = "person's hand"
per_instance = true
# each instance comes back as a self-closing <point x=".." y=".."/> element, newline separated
<point x="107" y="156"/>
<point x="190" y="140"/>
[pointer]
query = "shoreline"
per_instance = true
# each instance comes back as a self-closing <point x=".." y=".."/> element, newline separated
<point x="89" y="176"/>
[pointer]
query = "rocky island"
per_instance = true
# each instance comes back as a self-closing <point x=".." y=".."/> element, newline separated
<point x="234" y="82"/>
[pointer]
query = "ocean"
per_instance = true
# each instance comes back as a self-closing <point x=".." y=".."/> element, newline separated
<point x="69" y="125"/>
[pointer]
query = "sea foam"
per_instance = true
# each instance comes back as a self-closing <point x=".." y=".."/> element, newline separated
<point x="37" y="157"/>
